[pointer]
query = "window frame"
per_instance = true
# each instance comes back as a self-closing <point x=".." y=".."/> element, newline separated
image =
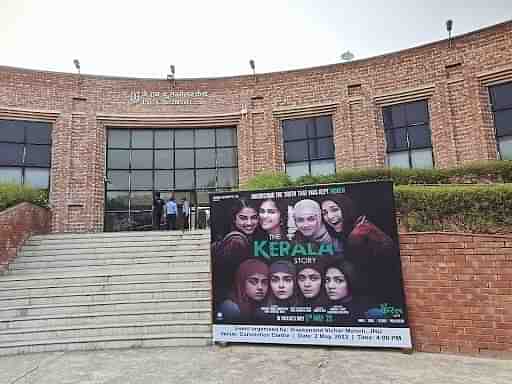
<point x="505" y="107"/>
<point x="408" y="125"/>
<point x="309" y="141"/>
<point x="26" y="144"/>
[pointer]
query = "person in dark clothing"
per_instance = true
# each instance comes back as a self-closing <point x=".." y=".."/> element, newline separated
<point x="158" y="210"/>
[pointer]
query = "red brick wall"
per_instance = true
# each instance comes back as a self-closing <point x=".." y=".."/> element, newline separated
<point x="460" y="118"/>
<point x="17" y="224"/>
<point x="459" y="291"/>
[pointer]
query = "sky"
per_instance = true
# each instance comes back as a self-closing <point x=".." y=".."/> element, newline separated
<point x="218" y="38"/>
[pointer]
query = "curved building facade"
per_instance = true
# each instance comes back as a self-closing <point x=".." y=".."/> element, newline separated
<point x="104" y="145"/>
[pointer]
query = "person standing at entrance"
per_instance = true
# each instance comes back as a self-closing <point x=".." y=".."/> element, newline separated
<point x="170" y="212"/>
<point x="186" y="212"/>
<point x="158" y="209"/>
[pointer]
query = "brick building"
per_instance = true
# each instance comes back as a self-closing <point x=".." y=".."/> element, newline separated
<point x="103" y="145"/>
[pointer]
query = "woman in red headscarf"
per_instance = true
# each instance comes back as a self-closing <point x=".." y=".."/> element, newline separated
<point x="249" y="291"/>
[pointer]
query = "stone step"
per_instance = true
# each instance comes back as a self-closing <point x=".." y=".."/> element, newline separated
<point x="118" y="235"/>
<point x="92" y="297"/>
<point x="102" y="277"/>
<point x="26" y="263"/>
<point x="84" y="255"/>
<point x="109" y="250"/>
<point x="135" y="285"/>
<point x="106" y="306"/>
<point x="108" y="342"/>
<point x="108" y="317"/>
<point x="28" y="246"/>
<point x="104" y="330"/>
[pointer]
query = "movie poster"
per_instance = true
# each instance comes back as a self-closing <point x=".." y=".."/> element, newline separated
<point x="308" y="265"/>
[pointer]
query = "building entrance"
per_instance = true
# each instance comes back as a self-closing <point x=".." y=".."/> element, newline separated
<point x="184" y="163"/>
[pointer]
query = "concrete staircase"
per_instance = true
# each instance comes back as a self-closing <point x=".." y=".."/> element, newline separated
<point x="107" y="290"/>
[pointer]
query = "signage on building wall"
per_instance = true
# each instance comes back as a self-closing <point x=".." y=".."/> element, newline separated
<point x="310" y="265"/>
<point x="167" y="97"/>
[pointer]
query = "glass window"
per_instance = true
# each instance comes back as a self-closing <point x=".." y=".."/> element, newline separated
<point x="142" y="159"/>
<point x="141" y="180"/>
<point x="322" y="167"/>
<point x="206" y="178"/>
<point x="184" y="179"/>
<point x="226" y="157"/>
<point x="11" y="154"/>
<point x="225" y="137"/>
<point x="505" y="147"/>
<point x="321" y="148"/>
<point x="422" y="158"/>
<point x="398" y="159"/>
<point x="37" y="133"/>
<point x="10" y="175"/>
<point x="118" y="138"/>
<point x="205" y="138"/>
<point x="296" y="170"/>
<point x="164" y="180"/>
<point x="295" y="129"/>
<point x="184" y="158"/>
<point x="12" y="131"/>
<point x="118" y="180"/>
<point x="227" y="177"/>
<point x="37" y="177"/>
<point x="164" y="159"/>
<point x="118" y="158"/>
<point x="407" y="128"/>
<point x="305" y="142"/>
<point x="205" y="158"/>
<point x="503" y="122"/>
<point x="184" y="138"/>
<point x="117" y="200"/>
<point x="163" y="138"/>
<point x="296" y="151"/>
<point x="142" y="138"/>
<point x="38" y="155"/>
<point x="141" y="200"/>
<point x="501" y="99"/>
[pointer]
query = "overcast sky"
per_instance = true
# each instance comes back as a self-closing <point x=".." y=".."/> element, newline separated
<point x="218" y="38"/>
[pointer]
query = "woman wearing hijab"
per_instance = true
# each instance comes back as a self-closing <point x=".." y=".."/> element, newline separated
<point x="309" y="281"/>
<point x="235" y="246"/>
<point x="282" y="284"/>
<point x="249" y="292"/>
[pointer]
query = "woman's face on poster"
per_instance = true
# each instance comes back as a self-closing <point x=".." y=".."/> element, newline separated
<point x="282" y="285"/>
<point x="246" y="220"/>
<point x="332" y="215"/>
<point x="309" y="281"/>
<point x="270" y="217"/>
<point x="336" y="285"/>
<point x="256" y="286"/>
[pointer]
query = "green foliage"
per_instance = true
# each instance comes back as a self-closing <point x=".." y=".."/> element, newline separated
<point x="469" y="208"/>
<point x="267" y="180"/>
<point x="12" y="194"/>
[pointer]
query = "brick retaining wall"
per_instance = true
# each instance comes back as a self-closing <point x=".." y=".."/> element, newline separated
<point x="459" y="291"/>
<point x="16" y="225"/>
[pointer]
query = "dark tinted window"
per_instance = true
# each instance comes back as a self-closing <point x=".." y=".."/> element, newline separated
<point x="501" y="96"/>
<point x="321" y="126"/>
<point x="503" y="122"/>
<point x="117" y="200"/>
<point x="419" y="136"/>
<point x="11" y="154"/>
<point x="321" y="148"/>
<point x="416" y="112"/>
<point x="295" y="129"/>
<point x="12" y="131"/>
<point x="296" y="150"/>
<point x="38" y="155"/>
<point x="38" y="133"/>
<point x="396" y="139"/>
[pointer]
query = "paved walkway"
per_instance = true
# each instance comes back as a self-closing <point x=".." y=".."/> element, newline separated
<point x="247" y="364"/>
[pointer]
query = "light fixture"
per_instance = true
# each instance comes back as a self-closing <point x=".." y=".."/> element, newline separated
<point x="449" y="26"/>
<point x="77" y="65"/>
<point x="253" y="66"/>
